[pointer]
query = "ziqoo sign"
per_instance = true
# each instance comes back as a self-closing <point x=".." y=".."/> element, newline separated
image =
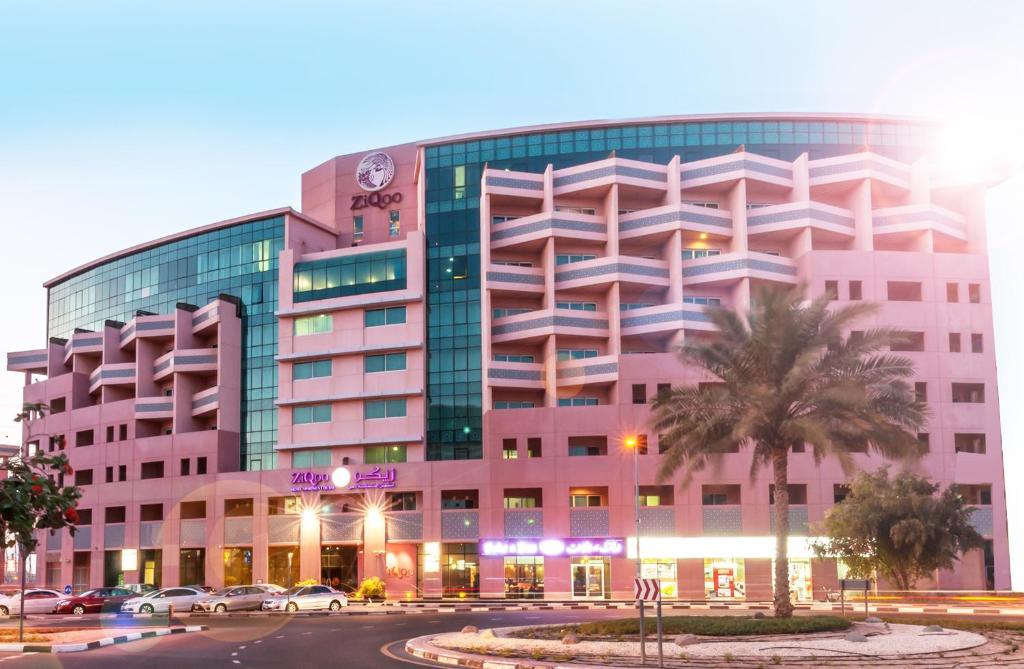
<point x="312" y="481"/>
<point x="611" y="547"/>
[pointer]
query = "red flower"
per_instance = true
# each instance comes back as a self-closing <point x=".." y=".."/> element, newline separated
<point x="37" y="489"/>
<point x="71" y="515"/>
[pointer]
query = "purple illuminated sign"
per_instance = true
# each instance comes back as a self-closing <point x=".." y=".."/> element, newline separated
<point x="307" y="481"/>
<point x="553" y="547"/>
<point x="375" y="479"/>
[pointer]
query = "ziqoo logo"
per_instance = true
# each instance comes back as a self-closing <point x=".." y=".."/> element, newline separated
<point x="375" y="171"/>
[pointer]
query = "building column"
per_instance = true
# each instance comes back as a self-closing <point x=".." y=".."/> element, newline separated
<point x="860" y="204"/>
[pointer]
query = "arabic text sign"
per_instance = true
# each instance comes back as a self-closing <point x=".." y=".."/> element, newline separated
<point x="553" y="547"/>
<point x="374" y="479"/>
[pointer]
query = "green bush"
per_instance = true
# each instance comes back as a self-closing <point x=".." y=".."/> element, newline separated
<point x="371" y="588"/>
<point x="703" y="626"/>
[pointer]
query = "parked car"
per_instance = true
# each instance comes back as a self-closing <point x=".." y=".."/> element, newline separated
<point x="181" y="598"/>
<point x="238" y="598"/>
<point x="204" y="588"/>
<point x="306" y="598"/>
<point x="139" y="588"/>
<point x="37" y="600"/>
<point x="93" y="601"/>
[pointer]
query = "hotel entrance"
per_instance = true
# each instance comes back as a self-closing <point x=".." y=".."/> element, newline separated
<point x="338" y="567"/>
<point x="591" y="578"/>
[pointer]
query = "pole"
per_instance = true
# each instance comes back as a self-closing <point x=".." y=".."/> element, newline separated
<point x="21" y="607"/>
<point x="842" y="600"/>
<point x="636" y="509"/>
<point x="661" y="653"/>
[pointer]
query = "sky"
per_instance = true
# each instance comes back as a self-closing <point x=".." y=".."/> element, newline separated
<point x="121" y="122"/>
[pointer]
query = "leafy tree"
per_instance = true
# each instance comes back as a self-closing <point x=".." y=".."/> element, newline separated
<point x="33" y="497"/>
<point x="900" y="527"/>
<point x="788" y="374"/>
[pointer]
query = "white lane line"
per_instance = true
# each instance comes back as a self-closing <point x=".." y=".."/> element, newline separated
<point x="243" y="647"/>
<point x="308" y="633"/>
<point x="237" y="662"/>
<point x="235" y="654"/>
<point x="282" y="636"/>
<point x="261" y="640"/>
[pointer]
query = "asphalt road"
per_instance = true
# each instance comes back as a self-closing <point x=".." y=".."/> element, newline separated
<point x="353" y="642"/>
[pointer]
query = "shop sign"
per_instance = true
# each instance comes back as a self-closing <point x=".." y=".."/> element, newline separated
<point x="311" y="481"/>
<point x="402" y="573"/>
<point x="553" y="547"/>
<point x="375" y="171"/>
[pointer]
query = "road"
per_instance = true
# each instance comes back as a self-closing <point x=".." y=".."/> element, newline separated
<point x="354" y="642"/>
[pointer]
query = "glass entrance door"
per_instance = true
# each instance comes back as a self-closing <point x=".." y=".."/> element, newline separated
<point x="588" y="581"/>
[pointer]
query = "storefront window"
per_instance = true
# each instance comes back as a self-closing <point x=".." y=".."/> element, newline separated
<point x="112" y="574"/>
<point x="524" y="577"/>
<point x="192" y="566"/>
<point x="237" y="566"/>
<point x="591" y="578"/>
<point x="724" y="578"/>
<point x="150" y="566"/>
<point x="460" y="570"/>
<point x="283" y="565"/>
<point x="338" y="567"/>
<point x="800" y="587"/>
<point x="665" y="571"/>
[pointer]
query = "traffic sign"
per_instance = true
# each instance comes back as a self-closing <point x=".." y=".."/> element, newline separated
<point x="67" y="589"/>
<point x="646" y="589"/>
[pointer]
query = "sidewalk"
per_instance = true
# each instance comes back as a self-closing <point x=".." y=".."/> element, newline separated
<point x="74" y="641"/>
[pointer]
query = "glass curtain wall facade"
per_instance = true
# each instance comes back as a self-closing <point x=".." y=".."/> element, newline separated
<point x="453" y="172"/>
<point x="240" y="260"/>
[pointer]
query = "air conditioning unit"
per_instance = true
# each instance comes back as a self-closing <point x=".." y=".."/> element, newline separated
<point x="344" y="460"/>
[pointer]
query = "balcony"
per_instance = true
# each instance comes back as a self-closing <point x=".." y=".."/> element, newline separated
<point x="156" y="327"/>
<point x="725" y="519"/>
<point x="534" y="229"/>
<point x="208" y="316"/>
<point x="154" y="408"/>
<point x="460" y="524"/>
<point x="657" y="521"/>
<point x="856" y="167"/>
<point x="238" y="531"/>
<point x="919" y="218"/>
<point x="599" y="272"/>
<point x="405" y="526"/>
<point x="793" y="216"/>
<point x="663" y="220"/>
<point x="111" y="374"/>
<point x="193" y="532"/>
<point x="205" y="401"/>
<point x="529" y="375"/>
<point x="731" y="267"/>
<point x="183" y="360"/>
<point x="341" y="527"/>
<point x="283" y="529"/>
<point x="151" y="534"/>
<point x="513" y="280"/>
<point x="664" y="318"/>
<point x="600" y="370"/>
<point x="797" y="519"/>
<point x="524" y="523"/>
<point x="545" y="322"/>
<point x="589" y="522"/>
<point x="603" y="173"/>
<point x="514" y="184"/>
<point x="28" y="361"/>
<point x="725" y="170"/>
<point x="83" y="342"/>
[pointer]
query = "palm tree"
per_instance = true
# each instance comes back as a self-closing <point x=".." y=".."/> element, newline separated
<point x="788" y="374"/>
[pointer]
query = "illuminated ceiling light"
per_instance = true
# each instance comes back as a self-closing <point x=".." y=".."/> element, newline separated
<point x="703" y="235"/>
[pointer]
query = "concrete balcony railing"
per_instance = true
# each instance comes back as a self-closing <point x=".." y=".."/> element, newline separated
<point x="238" y="531"/>
<point x="151" y="534"/>
<point x="919" y="218"/>
<point x="83" y="342"/>
<point x="460" y="524"/>
<point x="283" y="529"/>
<point x="155" y="327"/>
<point x="515" y="280"/>
<point x="735" y="166"/>
<point x="858" y="166"/>
<point x="602" y="370"/>
<point x="154" y="408"/>
<point x="589" y="522"/>
<point x="642" y="272"/>
<point x="662" y="220"/>
<point x="337" y="527"/>
<point x="725" y="519"/>
<point x="603" y="173"/>
<point x="559" y="224"/>
<point x="185" y="360"/>
<point x="35" y="360"/>
<point x="528" y="375"/>
<point x="118" y="373"/>
<point x="544" y="322"/>
<point x="207" y="316"/>
<point x="983" y="520"/>
<point x="514" y="184"/>
<point x="113" y="535"/>
<point x="797" y="519"/>
<point x="731" y="267"/>
<point x="657" y="521"/>
<point x="404" y="525"/>
<point x="798" y="215"/>
<point x="524" y="523"/>
<point x="205" y="401"/>
<point x="665" y="318"/>
<point x="192" y="532"/>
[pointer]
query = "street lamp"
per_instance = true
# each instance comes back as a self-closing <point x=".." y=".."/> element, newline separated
<point x="633" y="443"/>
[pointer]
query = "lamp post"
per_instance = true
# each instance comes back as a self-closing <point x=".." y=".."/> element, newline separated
<point x="633" y="443"/>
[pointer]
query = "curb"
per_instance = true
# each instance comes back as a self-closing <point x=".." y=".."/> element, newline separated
<point x="421" y="648"/>
<point x="92" y="645"/>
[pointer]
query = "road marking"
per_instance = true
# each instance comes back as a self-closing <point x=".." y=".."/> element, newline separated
<point x="261" y="640"/>
<point x="308" y="633"/>
<point x="433" y="621"/>
<point x="281" y="637"/>
<point x="237" y="662"/>
<point x="243" y="647"/>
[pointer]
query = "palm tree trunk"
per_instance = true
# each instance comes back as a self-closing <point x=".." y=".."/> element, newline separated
<point x="780" y="469"/>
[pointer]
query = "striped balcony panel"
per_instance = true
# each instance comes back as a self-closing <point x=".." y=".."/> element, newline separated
<point x="238" y="531"/>
<point x="744" y="266"/>
<point x="734" y="167"/>
<point x="27" y="360"/>
<point x="663" y="318"/>
<point x="494" y="181"/>
<point x="723" y="520"/>
<point x="151" y="534"/>
<point x="549" y="323"/>
<point x="858" y="166"/>
<point x="459" y="524"/>
<point x="770" y="219"/>
<point x="283" y="529"/>
<point x="339" y="527"/>
<point x="602" y="269"/>
<point x="550" y="225"/>
<point x="614" y="172"/>
<point x="589" y="523"/>
<point x="579" y="373"/>
<point x="657" y="521"/>
<point x="797" y="519"/>
<point x="906" y="219"/>
<point x="524" y="523"/>
<point x="193" y="532"/>
<point x="685" y="217"/>
<point x="405" y="526"/>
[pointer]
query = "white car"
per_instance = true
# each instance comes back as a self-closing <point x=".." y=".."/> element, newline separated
<point x="181" y="598"/>
<point x="306" y="598"/>
<point x="238" y="598"/>
<point x="37" y="600"/>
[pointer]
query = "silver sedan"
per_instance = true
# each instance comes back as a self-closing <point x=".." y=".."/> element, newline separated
<point x="306" y="598"/>
<point x="238" y="598"/>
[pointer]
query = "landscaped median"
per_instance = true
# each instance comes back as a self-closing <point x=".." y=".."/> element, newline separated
<point x="720" y="641"/>
<point x="76" y="640"/>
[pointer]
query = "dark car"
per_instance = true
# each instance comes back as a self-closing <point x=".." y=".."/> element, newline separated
<point x="94" y="601"/>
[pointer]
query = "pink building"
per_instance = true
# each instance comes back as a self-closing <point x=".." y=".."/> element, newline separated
<point x="429" y="374"/>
